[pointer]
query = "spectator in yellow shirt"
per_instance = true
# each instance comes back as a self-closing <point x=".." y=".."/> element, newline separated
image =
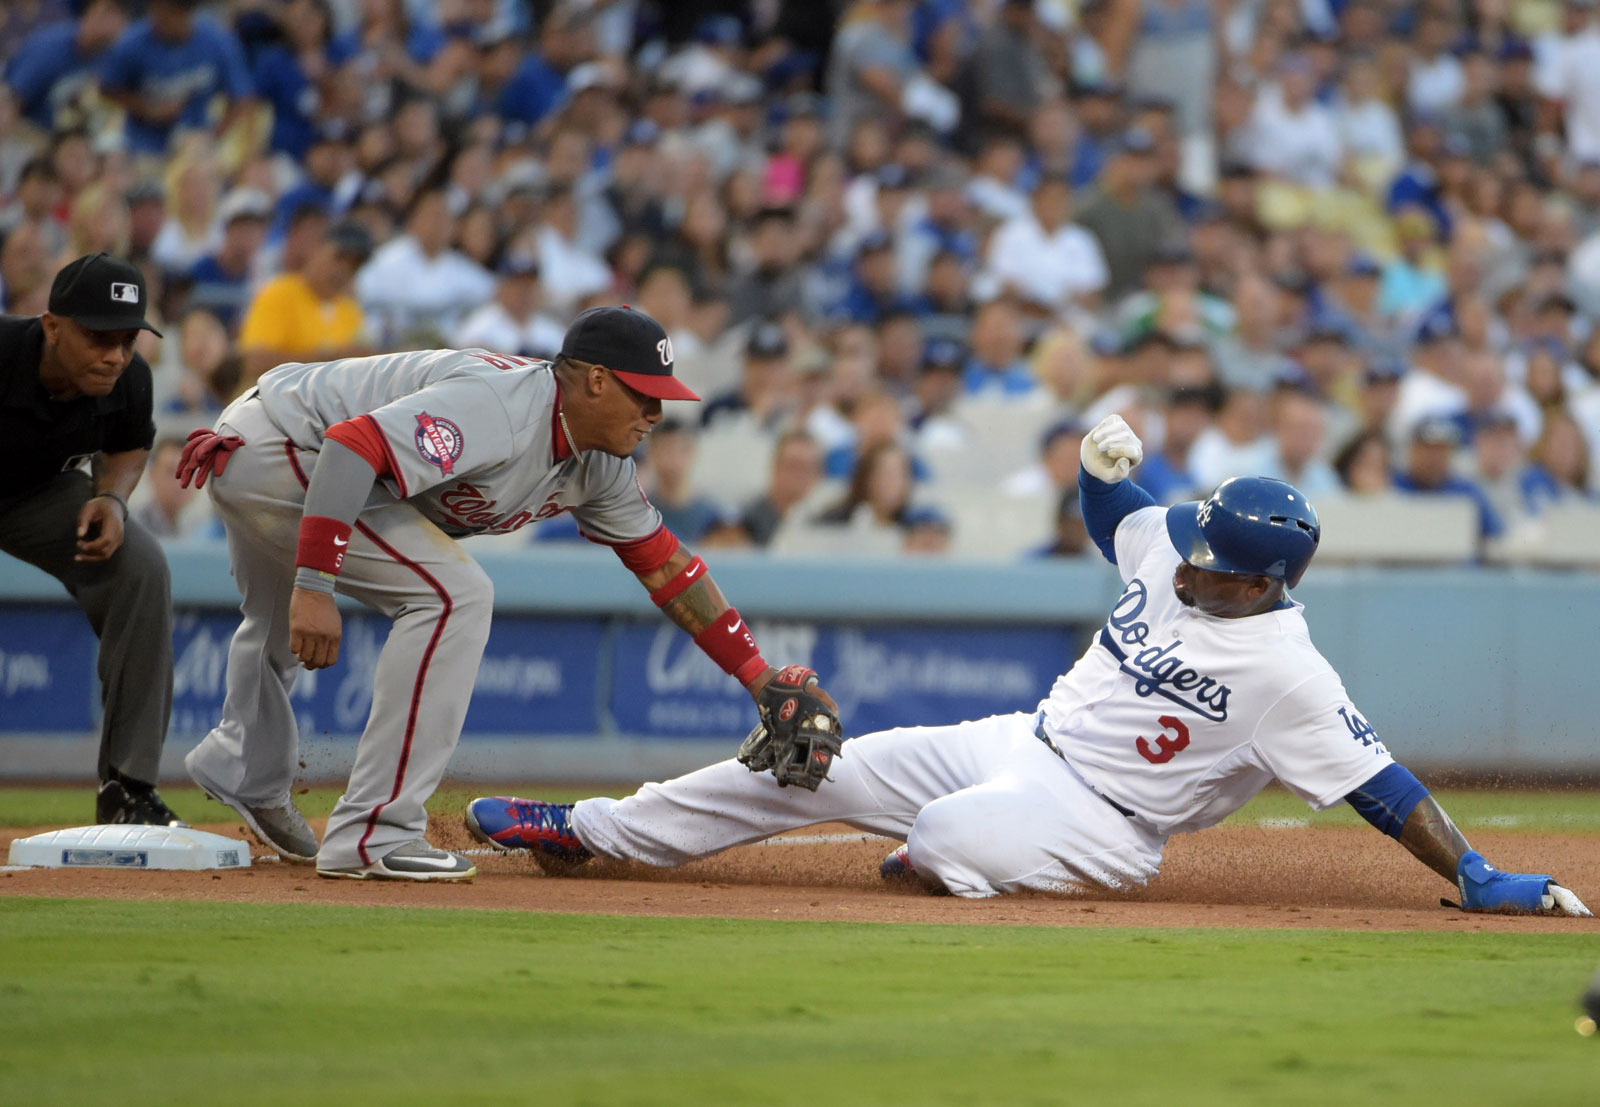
<point x="308" y="314"/>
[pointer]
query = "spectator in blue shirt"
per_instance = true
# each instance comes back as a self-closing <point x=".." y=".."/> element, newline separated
<point x="996" y="366"/>
<point x="669" y="463"/>
<point x="56" y="63"/>
<point x="1165" y="473"/>
<point x="1418" y="185"/>
<point x="288" y="75"/>
<point x="1101" y="126"/>
<point x="220" y="281"/>
<point x="1428" y="472"/>
<point x="874" y="291"/>
<point x="517" y="85"/>
<point x="384" y="27"/>
<point x="325" y="161"/>
<point x="945" y="227"/>
<point x="167" y="68"/>
<point x="1560" y="469"/>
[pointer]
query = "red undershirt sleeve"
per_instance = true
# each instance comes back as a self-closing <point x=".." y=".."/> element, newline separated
<point x="362" y="435"/>
<point x="647" y="554"/>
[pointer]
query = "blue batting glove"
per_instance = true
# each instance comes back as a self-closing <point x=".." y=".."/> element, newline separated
<point x="1485" y="888"/>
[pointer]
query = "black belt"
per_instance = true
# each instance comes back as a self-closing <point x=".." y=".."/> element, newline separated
<point x="1039" y="733"/>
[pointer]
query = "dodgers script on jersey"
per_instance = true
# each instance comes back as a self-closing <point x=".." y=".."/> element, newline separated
<point x="1182" y="716"/>
<point x="471" y="440"/>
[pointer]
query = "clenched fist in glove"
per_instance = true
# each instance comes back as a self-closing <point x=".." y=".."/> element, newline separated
<point x="1111" y="449"/>
<point x="799" y="733"/>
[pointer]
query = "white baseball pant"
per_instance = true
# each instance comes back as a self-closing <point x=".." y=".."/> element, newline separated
<point x="984" y="807"/>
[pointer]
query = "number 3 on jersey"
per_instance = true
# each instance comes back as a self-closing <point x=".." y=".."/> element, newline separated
<point x="1165" y="747"/>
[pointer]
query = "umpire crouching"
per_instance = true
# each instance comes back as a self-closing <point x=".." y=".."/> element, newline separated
<point x="72" y="390"/>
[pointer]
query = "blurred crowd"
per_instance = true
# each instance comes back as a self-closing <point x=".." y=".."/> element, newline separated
<point x="907" y="250"/>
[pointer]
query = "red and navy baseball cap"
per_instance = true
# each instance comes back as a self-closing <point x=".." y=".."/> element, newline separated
<point x="101" y="293"/>
<point x="630" y="344"/>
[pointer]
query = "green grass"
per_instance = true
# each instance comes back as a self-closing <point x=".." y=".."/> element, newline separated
<point x="179" y="1003"/>
<point x="1568" y="811"/>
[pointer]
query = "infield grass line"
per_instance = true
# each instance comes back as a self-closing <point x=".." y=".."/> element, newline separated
<point x="196" y="1003"/>
<point x="1532" y="811"/>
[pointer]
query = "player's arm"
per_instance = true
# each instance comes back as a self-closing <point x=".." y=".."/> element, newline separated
<point x="352" y="458"/>
<point x="1399" y="804"/>
<point x="1107" y="496"/>
<point x="102" y="519"/>
<point x="683" y="589"/>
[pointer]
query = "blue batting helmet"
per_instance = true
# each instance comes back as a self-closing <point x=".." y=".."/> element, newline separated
<point x="1250" y="526"/>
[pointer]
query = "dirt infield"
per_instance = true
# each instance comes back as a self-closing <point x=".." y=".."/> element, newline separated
<point x="1345" y="878"/>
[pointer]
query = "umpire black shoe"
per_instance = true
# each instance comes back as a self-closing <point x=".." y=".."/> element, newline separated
<point x="129" y="801"/>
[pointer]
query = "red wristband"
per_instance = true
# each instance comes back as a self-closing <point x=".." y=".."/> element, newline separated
<point x="751" y="669"/>
<point x="729" y="643"/>
<point x="323" y="542"/>
<point x="685" y="577"/>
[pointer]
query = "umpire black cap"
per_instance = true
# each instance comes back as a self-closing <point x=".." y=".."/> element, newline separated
<point x="630" y="344"/>
<point x="101" y="293"/>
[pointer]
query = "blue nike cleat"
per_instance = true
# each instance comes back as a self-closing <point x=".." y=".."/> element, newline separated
<point x="898" y="869"/>
<point x="897" y="866"/>
<point x="507" y="823"/>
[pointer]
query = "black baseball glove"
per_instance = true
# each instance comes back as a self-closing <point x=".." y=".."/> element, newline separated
<point x="799" y="733"/>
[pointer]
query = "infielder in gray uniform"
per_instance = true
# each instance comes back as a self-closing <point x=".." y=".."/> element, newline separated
<point x="356" y="476"/>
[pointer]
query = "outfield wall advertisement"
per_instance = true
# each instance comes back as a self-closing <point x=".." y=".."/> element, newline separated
<point x="561" y="676"/>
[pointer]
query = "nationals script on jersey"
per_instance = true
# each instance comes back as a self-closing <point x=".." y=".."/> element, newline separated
<point x="1182" y="717"/>
<point x="471" y="437"/>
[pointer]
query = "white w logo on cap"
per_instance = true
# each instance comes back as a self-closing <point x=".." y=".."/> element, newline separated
<point x="664" y="348"/>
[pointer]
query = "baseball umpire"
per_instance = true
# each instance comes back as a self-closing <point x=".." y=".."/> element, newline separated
<point x="1202" y="686"/>
<point x="356" y="476"/>
<point x="72" y="391"/>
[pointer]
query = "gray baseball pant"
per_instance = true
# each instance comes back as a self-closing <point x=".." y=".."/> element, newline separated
<point x="398" y="563"/>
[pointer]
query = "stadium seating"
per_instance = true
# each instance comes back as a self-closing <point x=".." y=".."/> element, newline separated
<point x="1396" y="529"/>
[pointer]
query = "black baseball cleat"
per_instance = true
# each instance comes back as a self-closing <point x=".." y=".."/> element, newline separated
<point x="131" y="801"/>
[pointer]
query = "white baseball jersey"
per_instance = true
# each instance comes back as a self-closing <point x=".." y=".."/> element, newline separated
<point x="471" y="438"/>
<point x="1182" y="717"/>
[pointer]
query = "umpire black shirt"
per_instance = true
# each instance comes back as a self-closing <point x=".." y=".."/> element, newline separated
<point x="42" y="436"/>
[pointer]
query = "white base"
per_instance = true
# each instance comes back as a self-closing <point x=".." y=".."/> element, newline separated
<point x="130" y="847"/>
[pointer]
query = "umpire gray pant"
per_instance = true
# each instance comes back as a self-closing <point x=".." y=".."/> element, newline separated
<point x="128" y="599"/>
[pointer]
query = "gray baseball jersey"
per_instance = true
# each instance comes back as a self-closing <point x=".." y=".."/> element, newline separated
<point x="471" y="446"/>
<point x="471" y="438"/>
